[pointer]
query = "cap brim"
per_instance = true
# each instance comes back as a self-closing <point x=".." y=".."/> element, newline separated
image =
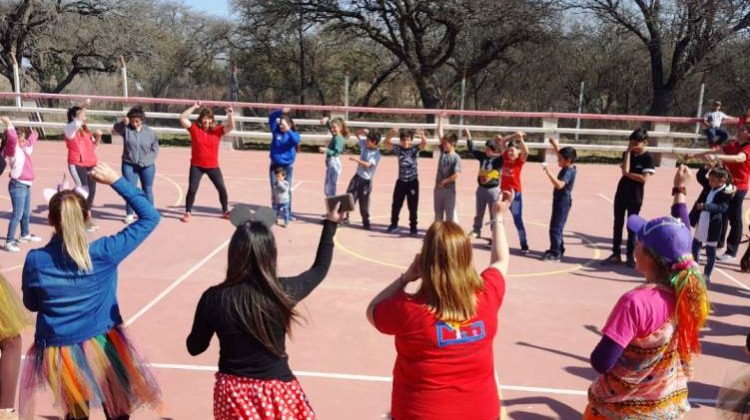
<point x="636" y="223"/>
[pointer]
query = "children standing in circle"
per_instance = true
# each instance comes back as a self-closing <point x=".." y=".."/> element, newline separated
<point x="81" y="144"/>
<point x="282" y="196"/>
<point x="407" y="184"/>
<point x="360" y="186"/>
<point x="13" y="320"/>
<point x="284" y="143"/>
<point x="637" y="166"/>
<point x="488" y="179"/>
<point x="449" y="167"/>
<point x="140" y="148"/>
<point x="645" y="355"/>
<point x="19" y="145"/>
<point x="205" y="137"/>
<point x="562" y="199"/>
<point x="80" y="347"/>
<point x="710" y="208"/>
<point x="515" y="153"/>
<point x="339" y="134"/>
<point x="251" y="312"/>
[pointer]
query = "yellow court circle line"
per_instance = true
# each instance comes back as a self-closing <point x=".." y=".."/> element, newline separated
<point x="595" y="257"/>
<point x="180" y="192"/>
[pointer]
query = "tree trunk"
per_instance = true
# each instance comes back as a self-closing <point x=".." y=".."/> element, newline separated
<point x="429" y="94"/>
<point x="661" y="101"/>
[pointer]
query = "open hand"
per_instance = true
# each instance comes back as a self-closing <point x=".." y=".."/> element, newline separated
<point x="503" y="203"/>
<point x="682" y="176"/>
<point x="104" y="174"/>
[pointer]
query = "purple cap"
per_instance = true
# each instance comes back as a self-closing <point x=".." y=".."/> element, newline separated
<point x="668" y="237"/>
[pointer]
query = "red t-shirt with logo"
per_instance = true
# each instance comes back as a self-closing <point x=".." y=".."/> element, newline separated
<point x="205" y="146"/>
<point x="740" y="171"/>
<point x="511" y="173"/>
<point x="443" y="371"/>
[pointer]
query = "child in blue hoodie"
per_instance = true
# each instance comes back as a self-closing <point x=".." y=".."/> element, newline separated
<point x="284" y="142"/>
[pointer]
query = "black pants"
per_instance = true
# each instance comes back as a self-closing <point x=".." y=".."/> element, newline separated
<point x="408" y="190"/>
<point x="560" y="211"/>
<point x="623" y="207"/>
<point x="733" y="224"/>
<point x="214" y="174"/>
<point x="360" y="189"/>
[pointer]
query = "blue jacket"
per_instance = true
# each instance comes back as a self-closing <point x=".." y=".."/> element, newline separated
<point x="72" y="305"/>
<point x="283" y="145"/>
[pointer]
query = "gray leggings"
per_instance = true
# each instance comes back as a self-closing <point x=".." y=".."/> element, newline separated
<point x="81" y="178"/>
<point x="445" y="205"/>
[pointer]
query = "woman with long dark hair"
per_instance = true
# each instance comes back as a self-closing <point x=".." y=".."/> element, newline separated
<point x="251" y="312"/>
<point x="205" y="138"/>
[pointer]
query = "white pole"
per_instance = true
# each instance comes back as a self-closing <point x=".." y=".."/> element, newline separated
<point x="346" y="97"/>
<point x="124" y="77"/>
<point x="17" y="82"/>
<point x="580" y="108"/>
<point x="463" y="97"/>
<point x="700" y="108"/>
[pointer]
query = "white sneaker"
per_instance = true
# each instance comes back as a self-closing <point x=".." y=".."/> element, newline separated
<point x="727" y="257"/>
<point x="473" y="235"/>
<point x="91" y="227"/>
<point x="30" y="238"/>
<point x="129" y="219"/>
<point x="12" y="246"/>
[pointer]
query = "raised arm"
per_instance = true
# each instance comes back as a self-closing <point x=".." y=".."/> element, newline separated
<point x="440" y="131"/>
<point x="185" y="116"/>
<point x="556" y="183"/>
<point x="411" y="274"/>
<point x="201" y="333"/>
<point x="555" y="146"/>
<point x="273" y="119"/>
<point x="422" y="138"/>
<point x="470" y="145"/>
<point x="393" y="132"/>
<point x="521" y="136"/>
<point x="229" y="123"/>
<point x="11" y="138"/>
<point x="500" y="253"/>
<point x="679" y="208"/>
<point x="119" y="127"/>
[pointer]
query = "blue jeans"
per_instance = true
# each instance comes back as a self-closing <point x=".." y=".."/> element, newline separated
<point x="715" y="132"/>
<point x="333" y="170"/>
<point x="289" y="177"/>
<point x="282" y="209"/>
<point x="20" y="198"/>
<point x="560" y="210"/>
<point x="516" y="209"/>
<point x="132" y="173"/>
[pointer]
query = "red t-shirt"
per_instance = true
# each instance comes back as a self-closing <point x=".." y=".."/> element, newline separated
<point x="740" y="171"/>
<point x="511" y="173"/>
<point x="441" y="373"/>
<point x="205" y="146"/>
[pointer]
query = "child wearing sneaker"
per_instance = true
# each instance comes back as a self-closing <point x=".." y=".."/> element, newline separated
<point x="449" y="168"/>
<point x="710" y="207"/>
<point x="562" y="199"/>
<point x="18" y="149"/>
<point x="360" y="186"/>
<point x="488" y="179"/>
<point x="515" y="152"/>
<point x="637" y="166"/>
<point x="281" y="196"/>
<point x="407" y="184"/>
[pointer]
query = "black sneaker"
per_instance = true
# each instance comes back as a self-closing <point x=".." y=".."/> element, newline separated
<point x="524" y="249"/>
<point x="630" y="261"/>
<point x="548" y="256"/>
<point x="413" y="232"/>
<point x="614" y="259"/>
<point x="391" y="228"/>
<point x="366" y="226"/>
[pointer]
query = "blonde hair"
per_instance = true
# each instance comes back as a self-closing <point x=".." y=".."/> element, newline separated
<point x="449" y="279"/>
<point x="68" y="212"/>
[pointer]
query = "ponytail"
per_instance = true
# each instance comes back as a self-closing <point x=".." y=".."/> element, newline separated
<point x="691" y="309"/>
<point x="68" y="212"/>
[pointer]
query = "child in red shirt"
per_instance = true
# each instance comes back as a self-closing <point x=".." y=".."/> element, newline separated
<point x="515" y="152"/>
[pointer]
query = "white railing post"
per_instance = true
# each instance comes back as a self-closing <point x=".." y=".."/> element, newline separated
<point x="17" y="82"/>
<point x="667" y="160"/>
<point x="547" y="154"/>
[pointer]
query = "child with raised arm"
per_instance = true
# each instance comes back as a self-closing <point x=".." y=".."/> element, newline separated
<point x="333" y="152"/>
<point x="407" y="184"/>
<point x="488" y="179"/>
<point x="562" y="199"/>
<point x="449" y="167"/>
<point x="19" y="146"/>
<point x="515" y="153"/>
<point x="81" y="144"/>
<point x="360" y="187"/>
<point x="284" y="143"/>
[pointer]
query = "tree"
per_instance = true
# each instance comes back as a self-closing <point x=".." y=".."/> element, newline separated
<point x="678" y="35"/>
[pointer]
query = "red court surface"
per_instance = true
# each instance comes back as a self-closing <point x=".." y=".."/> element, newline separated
<point x="548" y="324"/>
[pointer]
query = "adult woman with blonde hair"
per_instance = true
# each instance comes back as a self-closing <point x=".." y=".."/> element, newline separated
<point x="445" y="330"/>
<point x="80" y="347"/>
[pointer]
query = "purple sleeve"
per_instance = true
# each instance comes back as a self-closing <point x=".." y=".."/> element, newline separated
<point x="605" y="355"/>
<point x="680" y="211"/>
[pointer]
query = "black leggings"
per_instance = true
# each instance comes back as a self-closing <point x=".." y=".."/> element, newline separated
<point x="214" y="174"/>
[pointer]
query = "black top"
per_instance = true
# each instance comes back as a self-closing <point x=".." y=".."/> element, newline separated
<point x="567" y="175"/>
<point x="628" y="189"/>
<point x="489" y="167"/>
<point x="240" y="353"/>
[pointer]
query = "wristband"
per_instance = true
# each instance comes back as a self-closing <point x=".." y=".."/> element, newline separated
<point x="678" y="190"/>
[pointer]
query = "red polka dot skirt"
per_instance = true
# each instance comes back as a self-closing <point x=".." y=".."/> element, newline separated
<point x="238" y="398"/>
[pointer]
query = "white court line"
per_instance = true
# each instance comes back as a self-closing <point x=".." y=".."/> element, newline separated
<point x="295" y="186"/>
<point x="730" y="277"/>
<point x="606" y="198"/>
<point x="372" y="378"/>
<point x="15" y="267"/>
<point x="176" y="283"/>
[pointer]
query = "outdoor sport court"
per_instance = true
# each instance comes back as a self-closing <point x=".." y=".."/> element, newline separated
<point x="548" y="323"/>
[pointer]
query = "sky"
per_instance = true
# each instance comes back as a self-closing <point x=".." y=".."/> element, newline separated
<point x="216" y="7"/>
